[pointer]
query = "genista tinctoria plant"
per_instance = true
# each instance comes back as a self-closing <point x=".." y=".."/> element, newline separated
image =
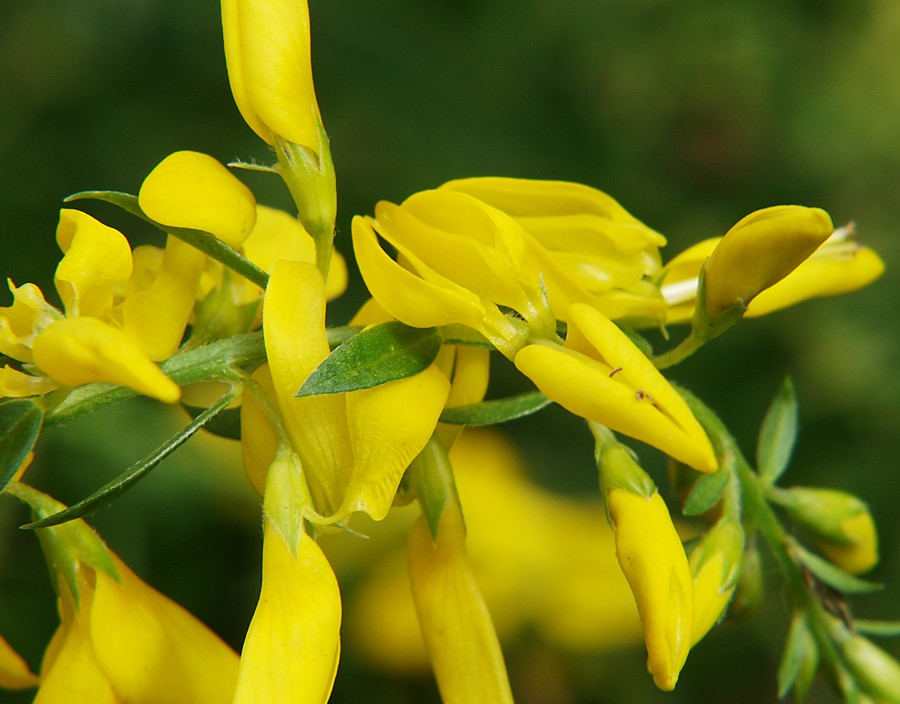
<point x="556" y="277"/>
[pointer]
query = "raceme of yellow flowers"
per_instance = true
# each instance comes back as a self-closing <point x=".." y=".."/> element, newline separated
<point x="555" y="276"/>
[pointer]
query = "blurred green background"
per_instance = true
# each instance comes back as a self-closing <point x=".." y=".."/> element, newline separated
<point x="690" y="113"/>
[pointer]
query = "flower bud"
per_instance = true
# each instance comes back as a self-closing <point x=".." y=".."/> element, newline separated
<point x="878" y="673"/>
<point x="841" y="523"/>
<point x="652" y="558"/>
<point x="760" y="250"/>
<point x="715" y="564"/>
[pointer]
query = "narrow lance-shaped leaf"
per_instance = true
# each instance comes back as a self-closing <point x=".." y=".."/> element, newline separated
<point x="383" y="353"/>
<point x="706" y="492"/>
<point x="108" y="493"/>
<point x="799" y="661"/>
<point x="20" y="425"/>
<point x="777" y="434"/>
<point x="833" y="576"/>
<point x="207" y="243"/>
<point x="885" y="629"/>
<point x="497" y="411"/>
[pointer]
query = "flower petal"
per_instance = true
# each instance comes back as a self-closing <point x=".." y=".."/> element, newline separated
<point x="290" y="654"/>
<point x="190" y="189"/>
<point x="97" y="260"/>
<point x="455" y="622"/>
<point x="77" y="351"/>
<point x="152" y="650"/>
<point x="14" y="671"/>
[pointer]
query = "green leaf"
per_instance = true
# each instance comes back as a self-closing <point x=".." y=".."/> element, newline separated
<point x="498" y="411"/>
<point x="777" y="434"/>
<point x="206" y="242"/>
<point x="706" y="492"/>
<point x="131" y="476"/>
<point x="226" y="424"/>
<point x="832" y="575"/>
<point x="383" y="353"/>
<point x="799" y="661"/>
<point x="20" y="425"/>
<point x="886" y="629"/>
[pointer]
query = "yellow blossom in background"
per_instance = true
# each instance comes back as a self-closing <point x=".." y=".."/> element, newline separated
<point x="120" y="641"/>
<point x="456" y="626"/>
<point x="557" y="577"/>
<point x="14" y="671"/>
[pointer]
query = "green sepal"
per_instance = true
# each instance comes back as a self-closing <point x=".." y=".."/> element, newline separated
<point x="131" y="476"/>
<point x="375" y="356"/>
<point x="206" y="242"/>
<point x="430" y="478"/>
<point x="832" y="575"/>
<point x="20" y="425"/>
<point x="227" y="424"/>
<point x="777" y="434"/>
<point x="799" y="661"/>
<point x="706" y="492"/>
<point x="885" y="629"/>
<point x="68" y="545"/>
<point x="497" y="411"/>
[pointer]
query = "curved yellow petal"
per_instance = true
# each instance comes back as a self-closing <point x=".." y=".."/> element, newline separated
<point x="193" y="190"/>
<point x="258" y="440"/>
<point x="157" y="316"/>
<point x="16" y="384"/>
<point x="291" y="651"/>
<point x="152" y="650"/>
<point x="14" y="671"/>
<point x="21" y="322"/>
<point x="654" y="563"/>
<point x="77" y="351"/>
<point x="821" y="275"/>
<point x="268" y="58"/>
<point x="455" y="622"/>
<point x="760" y="250"/>
<point x="280" y="235"/>
<point x="75" y="676"/>
<point x="97" y="260"/>
<point x="405" y="295"/>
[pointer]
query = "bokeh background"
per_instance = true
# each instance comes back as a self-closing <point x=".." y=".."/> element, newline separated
<point x="691" y="113"/>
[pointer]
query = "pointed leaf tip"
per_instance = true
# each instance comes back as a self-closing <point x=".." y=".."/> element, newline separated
<point x="375" y="356"/>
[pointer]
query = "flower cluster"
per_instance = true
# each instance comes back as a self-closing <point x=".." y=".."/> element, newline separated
<point x="556" y="277"/>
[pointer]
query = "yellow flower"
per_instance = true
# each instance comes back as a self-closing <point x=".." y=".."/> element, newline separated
<point x="840" y="523"/>
<point x="290" y="654"/>
<point x="652" y="557"/>
<point x="838" y="265"/>
<point x="716" y="564"/>
<point x="268" y="59"/>
<point x="354" y="446"/>
<point x="556" y="577"/>
<point x="14" y="671"/>
<point x="586" y="240"/>
<point x="120" y="640"/>
<point x="455" y="622"/>
<point x="760" y="250"/>
<point x="101" y="336"/>
<point x="602" y="376"/>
